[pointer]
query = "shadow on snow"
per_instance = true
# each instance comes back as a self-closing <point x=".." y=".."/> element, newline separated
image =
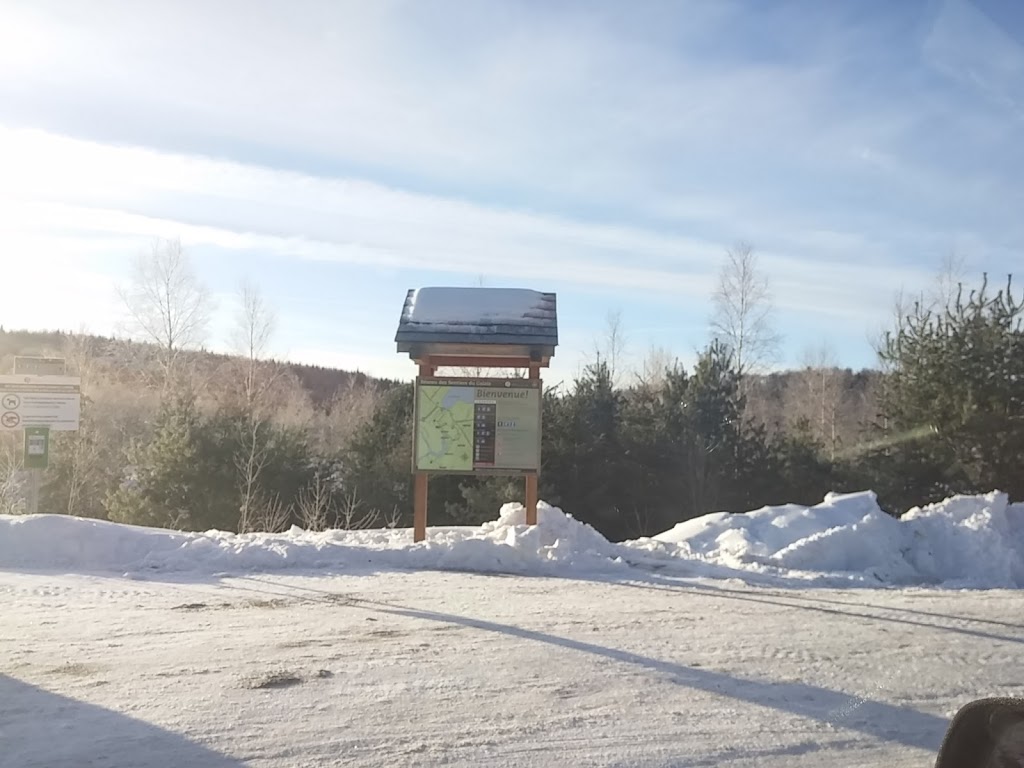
<point x="876" y="719"/>
<point x="40" y="729"/>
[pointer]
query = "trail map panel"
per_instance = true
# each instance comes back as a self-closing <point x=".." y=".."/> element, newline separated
<point x="477" y="425"/>
<point x="444" y="428"/>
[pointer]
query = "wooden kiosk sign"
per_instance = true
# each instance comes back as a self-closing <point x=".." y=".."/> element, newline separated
<point x="477" y="425"/>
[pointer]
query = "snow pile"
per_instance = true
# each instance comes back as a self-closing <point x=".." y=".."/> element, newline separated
<point x="965" y="541"/>
<point x="768" y="530"/>
<point x="558" y="543"/>
<point x="968" y="539"/>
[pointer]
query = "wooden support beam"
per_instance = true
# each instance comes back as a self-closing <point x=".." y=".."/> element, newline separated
<point x="421" y="486"/>
<point x="531" y="480"/>
<point x="419" y="521"/>
<point x="531" y="499"/>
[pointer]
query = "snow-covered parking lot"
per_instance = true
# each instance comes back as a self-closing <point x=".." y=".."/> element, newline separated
<point x="431" y="668"/>
<point x="700" y="649"/>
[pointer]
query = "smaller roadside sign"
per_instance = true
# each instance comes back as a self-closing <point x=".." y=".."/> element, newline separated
<point x="40" y="366"/>
<point x="37" y="447"/>
<point x="40" y="401"/>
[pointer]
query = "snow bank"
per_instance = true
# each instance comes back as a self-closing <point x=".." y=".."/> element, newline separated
<point x="965" y="541"/>
<point x="558" y="543"/>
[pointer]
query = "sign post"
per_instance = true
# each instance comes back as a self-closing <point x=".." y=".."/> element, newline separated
<point x="36" y="459"/>
<point x="40" y="366"/>
<point x="39" y="399"/>
<point x="475" y="426"/>
<point x="472" y="425"/>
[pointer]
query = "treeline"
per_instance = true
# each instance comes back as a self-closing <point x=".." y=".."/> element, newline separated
<point x="191" y="454"/>
<point x="944" y="416"/>
<point x="174" y="437"/>
<point x="320" y="383"/>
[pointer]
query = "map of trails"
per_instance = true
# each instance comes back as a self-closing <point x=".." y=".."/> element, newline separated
<point x="444" y="428"/>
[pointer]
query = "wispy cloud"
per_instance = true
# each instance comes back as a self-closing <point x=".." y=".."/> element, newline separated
<point x="613" y="150"/>
<point x="968" y="46"/>
<point x="81" y="186"/>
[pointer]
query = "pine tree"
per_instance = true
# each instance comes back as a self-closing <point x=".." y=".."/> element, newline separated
<point x="160" y="488"/>
<point x="377" y="465"/>
<point x="954" y="401"/>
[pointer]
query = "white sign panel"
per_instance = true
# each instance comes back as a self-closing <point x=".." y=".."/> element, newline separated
<point x="40" y="401"/>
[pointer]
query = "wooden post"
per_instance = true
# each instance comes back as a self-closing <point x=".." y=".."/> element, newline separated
<point x="531" y="480"/>
<point x="419" y="523"/>
<point x="419" y="510"/>
<point x="531" y="499"/>
<point x="35" y="481"/>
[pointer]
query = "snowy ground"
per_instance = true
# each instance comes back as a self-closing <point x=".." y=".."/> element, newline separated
<point x="431" y="668"/>
<point x="724" y="641"/>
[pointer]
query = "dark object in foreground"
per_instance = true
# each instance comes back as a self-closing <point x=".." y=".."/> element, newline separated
<point x="988" y="733"/>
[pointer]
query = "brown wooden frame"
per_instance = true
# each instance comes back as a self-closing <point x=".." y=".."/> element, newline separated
<point x="472" y="356"/>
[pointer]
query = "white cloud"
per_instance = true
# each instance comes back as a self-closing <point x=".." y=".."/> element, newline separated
<point x="612" y="148"/>
<point x="602" y="105"/>
<point x="44" y="285"/>
<point x="967" y="46"/>
<point x="85" y="187"/>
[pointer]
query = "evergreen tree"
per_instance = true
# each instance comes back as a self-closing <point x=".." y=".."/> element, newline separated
<point x="159" y="488"/>
<point x="794" y="470"/>
<point x="713" y="443"/>
<point x="81" y="470"/>
<point x="377" y="465"/>
<point x="954" y="400"/>
<point x="583" y="458"/>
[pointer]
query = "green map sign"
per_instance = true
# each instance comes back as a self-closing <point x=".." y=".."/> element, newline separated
<point x="477" y="425"/>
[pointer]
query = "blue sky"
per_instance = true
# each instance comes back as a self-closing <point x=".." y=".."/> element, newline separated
<point x="338" y="153"/>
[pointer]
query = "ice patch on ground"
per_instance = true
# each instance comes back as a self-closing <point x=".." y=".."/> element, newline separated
<point x="965" y="541"/>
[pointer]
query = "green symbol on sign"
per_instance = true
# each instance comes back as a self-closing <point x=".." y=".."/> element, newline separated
<point x="37" y="447"/>
<point x="10" y="402"/>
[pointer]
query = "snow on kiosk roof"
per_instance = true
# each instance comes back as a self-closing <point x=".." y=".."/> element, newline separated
<point x="480" y="323"/>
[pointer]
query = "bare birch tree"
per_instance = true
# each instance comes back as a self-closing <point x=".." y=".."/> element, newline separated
<point x="656" y="365"/>
<point x="742" y="311"/>
<point x="265" y="514"/>
<point x="951" y="275"/>
<point x="822" y="386"/>
<point x="254" y="326"/>
<point x="612" y="347"/>
<point x="166" y="304"/>
<point x="314" y="504"/>
<point x="349" y="408"/>
<point x="12" y="492"/>
<point x="80" y="451"/>
<point x="940" y="294"/>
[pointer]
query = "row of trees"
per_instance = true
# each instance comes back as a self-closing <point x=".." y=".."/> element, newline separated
<point x="945" y="416"/>
<point x="174" y="437"/>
